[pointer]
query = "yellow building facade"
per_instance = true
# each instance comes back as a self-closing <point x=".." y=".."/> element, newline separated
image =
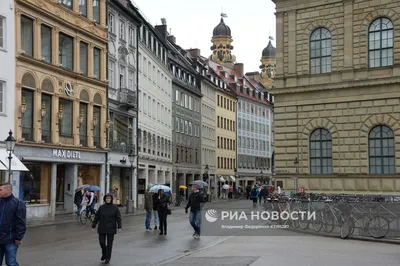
<point x="61" y="100"/>
<point x="226" y="134"/>
<point x="337" y="97"/>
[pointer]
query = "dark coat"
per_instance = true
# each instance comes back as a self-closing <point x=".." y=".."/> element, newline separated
<point x="162" y="203"/>
<point x="108" y="217"/>
<point x="78" y="198"/>
<point x="155" y="199"/>
<point x="195" y="199"/>
<point x="12" y="220"/>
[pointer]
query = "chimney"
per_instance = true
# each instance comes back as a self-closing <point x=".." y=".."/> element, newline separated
<point x="171" y="39"/>
<point x="194" y="53"/>
<point x="162" y="29"/>
<point x="238" y="67"/>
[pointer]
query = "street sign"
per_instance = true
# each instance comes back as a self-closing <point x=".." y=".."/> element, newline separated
<point x="281" y="171"/>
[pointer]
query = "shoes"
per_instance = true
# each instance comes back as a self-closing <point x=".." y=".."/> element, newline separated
<point x="148" y="229"/>
<point x="107" y="261"/>
<point x="196" y="236"/>
<point x="155" y="227"/>
<point x="103" y="258"/>
<point x="161" y="233"/>
<point x="165" y="233"/>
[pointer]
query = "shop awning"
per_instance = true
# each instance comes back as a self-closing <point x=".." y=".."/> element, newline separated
<point x="221" y="179"/>
<point x="16" y="164"/>
<point x="232" y="178"/>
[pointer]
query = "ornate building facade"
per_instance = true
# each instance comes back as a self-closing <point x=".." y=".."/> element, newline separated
<point x="155" y="110"/>
<point x="337" y="97"/>
<point x="123" y="24"/>
<point x="60" y="101"/>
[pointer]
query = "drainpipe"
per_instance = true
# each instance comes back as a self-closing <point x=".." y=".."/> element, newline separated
<point x="137" y="115"/>
<point x="107" y="108"/>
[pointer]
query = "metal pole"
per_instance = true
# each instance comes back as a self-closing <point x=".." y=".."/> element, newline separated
<point x="177" y="199"/>
<point x="9" y="167"/>
<point x="297" y="178"/>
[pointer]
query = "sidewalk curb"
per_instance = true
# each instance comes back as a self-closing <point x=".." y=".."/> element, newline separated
<point x="51" y="223"/>
<point x="359" y="238"/>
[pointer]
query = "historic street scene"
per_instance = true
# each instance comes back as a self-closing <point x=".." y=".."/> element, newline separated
<point x="151" y="132"/>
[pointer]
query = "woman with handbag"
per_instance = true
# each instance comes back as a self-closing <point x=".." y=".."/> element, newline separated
<point x="163" y="211"/>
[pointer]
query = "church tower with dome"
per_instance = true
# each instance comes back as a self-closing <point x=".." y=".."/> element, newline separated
<point x="268" y="64"/>
<point x="222" y="40"/>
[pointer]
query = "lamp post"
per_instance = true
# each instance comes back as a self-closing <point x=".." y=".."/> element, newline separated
<point x="131" y="157"/>
<point x="10" y="146"/>
<point x="177" y="196"/>
<point x="296" y="164"/>
<point x="262" y="176"/>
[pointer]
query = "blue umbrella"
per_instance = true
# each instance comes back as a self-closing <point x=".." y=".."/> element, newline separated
<point x="93" y="188"/>
<point x="155" y="188"/>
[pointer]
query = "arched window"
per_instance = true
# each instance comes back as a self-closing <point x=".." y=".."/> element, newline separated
<point x="28" y="81"/>
<point x="320" y="51"/>
<point x="321" y="152"/>
<point x="380" y="43"/>
<point x="381" y="151"/>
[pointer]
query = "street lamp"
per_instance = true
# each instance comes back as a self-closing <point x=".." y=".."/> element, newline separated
<point x="296" y="164"/>
<point x="131" y="158"/>
<point x="10" y="146"/>
<point x="209" y="181"/>
<point x="177" y="185"/>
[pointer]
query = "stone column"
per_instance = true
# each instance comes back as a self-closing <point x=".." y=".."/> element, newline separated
<point x="90" y="11"/>
<point x="75" y="122"/>
<point x="75" y="5"/>
<point x="38" y="39"/>
<point x="292" y="60"/>
<point x="18" y="30"/>
<point x="77" y="59"/>
<point x="103" y="13"/>
<point x="90" y="124"/>
<point x="348" y="34"/>
<point x="55" y="123"/>
<point x="90" y="60"/>
<point x="103" y="65"/>
<point x="55" y="48"/>
<point x="53" y="190"/>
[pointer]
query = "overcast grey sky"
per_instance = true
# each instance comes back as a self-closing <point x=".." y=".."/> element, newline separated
<point x="192" y="23"/>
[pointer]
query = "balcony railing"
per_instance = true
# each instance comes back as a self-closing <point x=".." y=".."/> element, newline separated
<point x="127" y="98"/>
<point x="122" y="147"/>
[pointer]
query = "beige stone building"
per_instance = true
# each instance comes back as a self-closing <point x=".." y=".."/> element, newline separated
<point x="61" y="100"/>
<point x="337" y="95"/>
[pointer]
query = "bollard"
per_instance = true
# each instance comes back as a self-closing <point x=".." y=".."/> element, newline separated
<point x="129" y="206"/>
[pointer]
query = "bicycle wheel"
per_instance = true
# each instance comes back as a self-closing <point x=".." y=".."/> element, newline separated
<point x="347" y="228"/>
<point x="83" y="217"/>
<point x="378" y="227"/>
<point x="93" y="215"/>
<point x="317" y="222"/>
<point x="328" y="222"/>
<point x="303" y="221"/>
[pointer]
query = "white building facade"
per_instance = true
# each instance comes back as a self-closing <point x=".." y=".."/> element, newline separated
<point x="123" y="25"/>
<point x="7" y="75"/>
<point x="155" y="111"/>
<point x="254" y="137"/>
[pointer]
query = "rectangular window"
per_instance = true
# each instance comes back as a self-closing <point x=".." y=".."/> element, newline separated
<point x="111" y="24"/>
<point x="121" y="76"/>
<point x="83" y="58"/>
<point x="177" y="96"/>
<point x="46" y="119"/>
<point x="190" y="129"/>
<point x="111" y="74"/>
<point x="2" y="97"/>
<point x="2" y="32"/>
<point x="176" y="124"/>
<point x="27" y="119"/>
<point x="186" y="127"/>
<point x="83" y="107"/>
<point x="97" y="128"/>
<point x="122" y="30"/>
<point x="182" y="127"/>
<point x="45" y="33"/>
<point x="67" y="3"/>
<point x="96" y="10"/>
<point x="66" y="128"/>
<point x="83" y="7"/>
<point x="38" y="177"/>
<point x="217" y="121"/>
<point x="96" y="63"/>
<point x="66" y="51"/>
<point x="131" y="37"/>
<point x="27" y="35"/>
<point x="144" y="103"/>
<point x="131" y="80"/>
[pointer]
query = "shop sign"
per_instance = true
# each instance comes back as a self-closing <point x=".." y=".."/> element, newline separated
<point x="66" y="154"/>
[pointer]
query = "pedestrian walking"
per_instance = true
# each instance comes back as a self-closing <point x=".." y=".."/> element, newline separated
<point x="254" y="195"/>
<point x="91" y="198"/>
<point x="230" y="193"/>
<point x="12" y="225"/>
<point x="78" y="201"/>
<point x="109" y="219"/>
<point x="162" y="202"/>
<point x="156" y="218"/>
<point x="248" y="189"/>
<point x="194" y="203"/>
<point x="148" y="206"/>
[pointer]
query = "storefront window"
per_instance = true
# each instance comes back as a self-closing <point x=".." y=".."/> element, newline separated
<point x="34" y="187"/>
<point x="119" y="185"/>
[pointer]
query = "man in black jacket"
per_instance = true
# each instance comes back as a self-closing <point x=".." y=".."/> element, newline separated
<point x="12" y="224"/>
<point x="109" y="219"/>
<point x="195" y="200"/>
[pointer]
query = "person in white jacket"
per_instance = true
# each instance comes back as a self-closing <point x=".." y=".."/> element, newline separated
<point x="92" y="201"/>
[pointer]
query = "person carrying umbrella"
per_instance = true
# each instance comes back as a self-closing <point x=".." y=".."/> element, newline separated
<point x="92" y="201"/>
<point x="109" y="219"/>
<point x="195" y="200"/>
<point x="78" y="201"/>
<point x="161" y="204"/>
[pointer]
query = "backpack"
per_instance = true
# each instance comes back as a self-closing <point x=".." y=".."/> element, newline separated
<point x="254" y="192"/>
